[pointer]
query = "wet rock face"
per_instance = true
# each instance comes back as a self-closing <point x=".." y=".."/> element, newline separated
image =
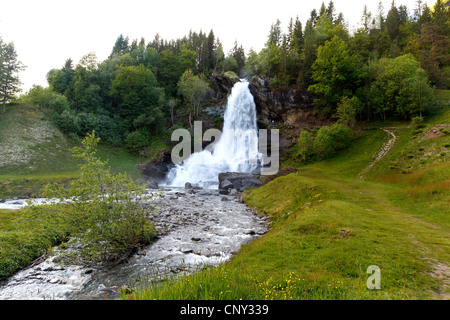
<point x="194" y="228"/>
<point x="280" y="104"/>
<point x="157" y="170"/>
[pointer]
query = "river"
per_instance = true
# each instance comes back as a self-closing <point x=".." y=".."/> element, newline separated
<point x="197" y="228"/>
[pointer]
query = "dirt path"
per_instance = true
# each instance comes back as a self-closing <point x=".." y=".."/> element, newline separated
<point x="385" y="148"/>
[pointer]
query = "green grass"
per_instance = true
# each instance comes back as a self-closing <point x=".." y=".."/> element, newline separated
<point x="329" y="225"/>
<point x="36" y="153"/>
<point x="24" y="236"/>
<point x="442" y="95"/>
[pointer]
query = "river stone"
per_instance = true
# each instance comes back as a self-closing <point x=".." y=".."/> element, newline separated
<point x="238" y="181"/>
<point x="189" y="185"/>
<point x="152" y="185"/>
<point x="225" y="184"/>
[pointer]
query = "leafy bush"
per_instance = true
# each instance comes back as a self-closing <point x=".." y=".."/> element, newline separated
<point x="105" y="210"/>
<point x="138" y="140"/>
<point x="417" y="122"/>
<point x="109" y="129"/>
<point x="46" y="98"/>
<point x="303" y="148"/>
<point x="68" y="122"/>
<point x="330" y="139"/>
<point x="347" y="110"/>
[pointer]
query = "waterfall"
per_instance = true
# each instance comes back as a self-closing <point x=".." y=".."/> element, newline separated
<point x="235" y="151"/>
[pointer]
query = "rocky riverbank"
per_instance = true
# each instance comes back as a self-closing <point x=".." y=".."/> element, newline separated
<point x="196" y="228"/>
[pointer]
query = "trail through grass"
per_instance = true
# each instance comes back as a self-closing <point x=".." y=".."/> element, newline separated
<point x="329" y="225"/>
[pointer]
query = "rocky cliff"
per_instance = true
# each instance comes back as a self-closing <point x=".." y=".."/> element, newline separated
<point x="294" y="107"/>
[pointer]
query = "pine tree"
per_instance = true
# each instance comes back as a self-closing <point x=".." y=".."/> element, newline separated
<point x="9" y="69"/>
<point x="393" y="21"/>
<point x="366" y="19"/>
<point x="297" y="39"/>
<point x="330" y="11"/>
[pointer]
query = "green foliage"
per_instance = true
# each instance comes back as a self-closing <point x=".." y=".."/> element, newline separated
<point x="109" y="129"/>
<point x="138" y="140"/>
<point x="400" y="87"/>
<point x="304" y="147"/>
<point x="135" y="89"/>
<point x="335" y="72"/>
<point x="10" y="67"/>
<point x="45" y="98"/>
<point x="326" y="141"/>
<point x="416" y="96"/>
<point x="347" y="110"/>
<point x="194" y="89"/>
<point x="104" y="209"/>
<point x="417" y="122"/>
<point x="330" y="139"/>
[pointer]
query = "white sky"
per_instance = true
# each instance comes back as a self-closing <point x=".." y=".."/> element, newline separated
<point x="48" y="32"/>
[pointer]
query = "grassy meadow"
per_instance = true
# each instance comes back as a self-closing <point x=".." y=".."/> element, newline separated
<point x="330" y="224"/>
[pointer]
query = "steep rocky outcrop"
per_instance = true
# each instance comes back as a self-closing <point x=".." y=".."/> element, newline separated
<point x="292" y="106"/>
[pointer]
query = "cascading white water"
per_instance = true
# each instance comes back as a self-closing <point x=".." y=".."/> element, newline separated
<point x="235" y="151"/>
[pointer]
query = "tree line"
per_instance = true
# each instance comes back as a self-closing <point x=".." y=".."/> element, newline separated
<point x="387" y="68"/>
<point x="132" y="96"/>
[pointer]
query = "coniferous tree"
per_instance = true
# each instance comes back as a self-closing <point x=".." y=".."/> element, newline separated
<point x="10" y="67"/>
<point x="366" y="19"/>
<point x="393" y="22"/>
<point x="331" y="11"/>
<point x="297" y="39"/>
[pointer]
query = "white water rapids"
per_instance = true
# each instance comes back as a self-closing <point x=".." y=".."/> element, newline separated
<point x="235" y="151"/>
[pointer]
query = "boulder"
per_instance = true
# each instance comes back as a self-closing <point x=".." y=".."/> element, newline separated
<point x="225" y="184"/>
<point x="152" y="185"/>
<point x="189" y="185"/>
<point x="237" y="181"/>
<point x="157" y="169"/>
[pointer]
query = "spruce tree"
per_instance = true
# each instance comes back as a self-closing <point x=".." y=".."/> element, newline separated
<point x="10" y="67"/>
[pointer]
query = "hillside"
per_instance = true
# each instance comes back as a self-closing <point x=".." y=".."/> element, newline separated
<point x="34" y="152"/>
<point x="333" y="219"/>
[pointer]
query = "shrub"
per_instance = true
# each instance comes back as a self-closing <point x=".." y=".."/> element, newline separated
<point x="68" y="122"/>
<point x="105" y="210"/>
<point x="330" y="139"/>
<point x="347" y="110"/>
<point x="138" y="140"/>
<point x="417" y="122"/>
<point x="303" y="147"/>
<point x="110" y="130"/>
<point x="46" y="98"/>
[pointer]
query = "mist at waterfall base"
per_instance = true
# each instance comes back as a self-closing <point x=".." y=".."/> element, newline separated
<point x="235" y="151"/>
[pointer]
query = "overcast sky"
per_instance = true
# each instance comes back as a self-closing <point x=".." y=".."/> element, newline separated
<point x="48" y="32"/>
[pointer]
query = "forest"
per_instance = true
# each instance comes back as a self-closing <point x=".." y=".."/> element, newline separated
<point x="387" y="69"/>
